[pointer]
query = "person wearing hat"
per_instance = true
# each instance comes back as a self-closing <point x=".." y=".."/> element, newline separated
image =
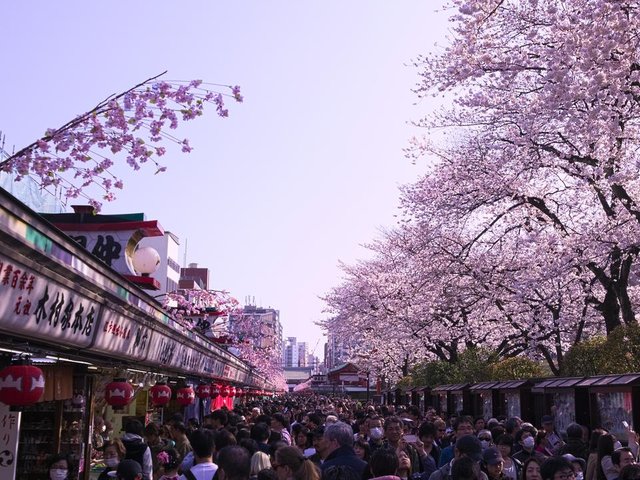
<point x="127" y="470"/>
<point x="493" y="463"/>
<point x="579" y="465"/>
<point x="466" y="446"/>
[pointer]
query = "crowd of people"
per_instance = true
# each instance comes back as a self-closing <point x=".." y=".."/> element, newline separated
<point x="326" y="438"/>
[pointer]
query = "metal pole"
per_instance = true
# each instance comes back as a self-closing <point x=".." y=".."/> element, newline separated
<point x="368" y="385"/>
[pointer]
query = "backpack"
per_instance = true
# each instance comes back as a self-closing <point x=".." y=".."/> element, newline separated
<point x="190" y="476"/>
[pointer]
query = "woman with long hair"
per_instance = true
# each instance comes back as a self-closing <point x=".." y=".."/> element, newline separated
<point x="290" y="464"/>
<point x="607" y="443"/>
<point x="592" y="459"/>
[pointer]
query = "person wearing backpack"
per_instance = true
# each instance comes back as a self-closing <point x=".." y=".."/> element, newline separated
<point x="202" y="442"/>
<point x="136" y="448"/>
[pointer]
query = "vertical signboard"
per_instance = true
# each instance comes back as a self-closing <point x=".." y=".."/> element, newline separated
<point x="9" y="428"/>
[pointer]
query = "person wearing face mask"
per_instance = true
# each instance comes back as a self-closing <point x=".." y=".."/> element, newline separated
<point x="528" y="442"/>
<point x="376" y="433"/>
<point x="59" y="467"/>
<point x="486" y="440"/>
<point x="579" y="465"/>
<point x="113" y="452"/>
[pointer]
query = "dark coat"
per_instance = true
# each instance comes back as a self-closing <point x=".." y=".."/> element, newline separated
<point x="575" y="447"/>
<point x="345" y="456"/>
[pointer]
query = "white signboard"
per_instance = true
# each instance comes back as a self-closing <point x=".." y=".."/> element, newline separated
<point x="9" y="427"/>
<point x="38" y="307"/>
<point x="122" y="337"/>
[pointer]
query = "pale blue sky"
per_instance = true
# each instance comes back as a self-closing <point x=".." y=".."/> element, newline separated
<point x="299" y="176"/>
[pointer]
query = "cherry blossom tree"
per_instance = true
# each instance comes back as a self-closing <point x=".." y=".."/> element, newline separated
<point x="209" y="311"/>
<point x="549" y="119"/>
<point x="522" y="236"/>
<point x="132" y="127"/>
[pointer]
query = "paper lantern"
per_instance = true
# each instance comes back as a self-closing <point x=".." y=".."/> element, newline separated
<point x="224" y="391"/>
<point x="203" y="391"/>
<point x="186" y="396"/>
<point x="21" y="385"/>
<point x="160" y="394"/>
<point x="215" y="390"/>
<point x="118" y="393"/>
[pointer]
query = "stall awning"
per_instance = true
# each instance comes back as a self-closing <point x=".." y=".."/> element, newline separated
<point x="611" y="380"/>
<point x="482" y="386"/>
<point x="450" y="388"/>
<point x="511" y="384"/>
<point x="553" y="383"/>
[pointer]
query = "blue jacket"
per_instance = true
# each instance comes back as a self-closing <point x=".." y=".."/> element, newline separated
<point x="344" y="456"/>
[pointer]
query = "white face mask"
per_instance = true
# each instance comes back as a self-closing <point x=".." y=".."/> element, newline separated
<point x="528" y="442"/>
<point x="58" y="474"/>
<point x="112" y="462"/>
<point x="485" y="444"/>
<point x="376" y="433"/>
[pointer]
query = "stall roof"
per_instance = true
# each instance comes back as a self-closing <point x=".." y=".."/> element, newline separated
<point x="610" y="380"/>
<point x="450" y="388"/>
<point x="557" y="383"/>
<point x="511" y="384"/>
<point x="483" y="386"/>
<point x="418" y="389"/>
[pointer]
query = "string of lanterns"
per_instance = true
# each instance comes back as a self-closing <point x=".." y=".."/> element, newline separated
<point x="120" y="393"/>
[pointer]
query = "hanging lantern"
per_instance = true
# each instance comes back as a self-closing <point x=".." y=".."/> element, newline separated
<point x="160" y="394"/>
<point x="118" y="393"/>
<point x="203" y="391"/>
<point x="224" y="391"/>
<point x="21" y="384"/>
<point x="215" y="390"/>
<point x="186" y="396"/>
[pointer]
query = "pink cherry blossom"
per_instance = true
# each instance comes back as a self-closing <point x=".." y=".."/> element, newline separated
<point x="126" y="126"/>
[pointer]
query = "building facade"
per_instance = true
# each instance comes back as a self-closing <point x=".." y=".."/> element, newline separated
<point x="336" y="351"/>
<point x="194" y="277"/>
<point x="295" y="354"/>
<point x="268" y="335"/>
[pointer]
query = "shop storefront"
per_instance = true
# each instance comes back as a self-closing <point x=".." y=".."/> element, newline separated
<point x="83" y="325"/>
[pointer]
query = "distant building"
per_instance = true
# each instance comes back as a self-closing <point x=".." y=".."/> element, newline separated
<point x="313" y="362"/>
<point x="194" y="277"/>
<point x="294" y="353"/>
<point x="269" y="335"/>
<point x="336" y="351"/>
<point x="296" y="375"/>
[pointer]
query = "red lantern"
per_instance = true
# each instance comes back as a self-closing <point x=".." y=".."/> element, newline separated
<point x="224" y="391"/>
<point x="215" y="390"/>
<point x="203" y="391"/>
<point x="160" y="394"/>
<point x="118" y="393"/>
<point x="186" y="396"/>
<point x="21" y="385"/>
